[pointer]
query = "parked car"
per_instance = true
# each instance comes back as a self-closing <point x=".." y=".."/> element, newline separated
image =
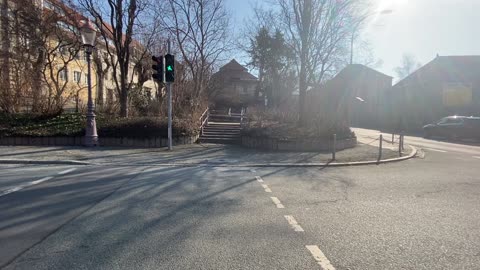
<point x="454" y="127"/>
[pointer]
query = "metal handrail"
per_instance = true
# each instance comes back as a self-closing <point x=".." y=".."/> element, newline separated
<point x="203" y="114"/>
<point x="204" y="121"/>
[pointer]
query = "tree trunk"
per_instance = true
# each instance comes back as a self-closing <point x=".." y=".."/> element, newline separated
<point x="124" y="103"/>
<point x="123" y="90"/>
<point x="100" y="86"/>
<point x="5" y="59"/>
<point x="37" y="83"/>
<point x="302" y="87"/>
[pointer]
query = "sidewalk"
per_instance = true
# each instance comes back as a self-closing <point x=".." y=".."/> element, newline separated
<point x="196" y="154"/>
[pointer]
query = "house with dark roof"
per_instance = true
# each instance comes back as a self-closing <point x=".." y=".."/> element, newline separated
<point x="354" y="95"/>
<point x="234" y="86"/>
<point x="447" y="85"/>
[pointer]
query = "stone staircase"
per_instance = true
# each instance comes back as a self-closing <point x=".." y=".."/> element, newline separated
<point x="222" y="128"/>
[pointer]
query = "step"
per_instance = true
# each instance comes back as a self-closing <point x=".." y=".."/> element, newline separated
<point x="221" y="128"/>
<point x="224" y="123"/>
<point x="219" y="137"/>
<point x="219" y="140"/>
<point x="211" y="132"/>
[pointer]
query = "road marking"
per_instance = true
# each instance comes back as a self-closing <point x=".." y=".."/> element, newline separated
<point x="320" y="257"/>
<point x="277" y="202"/>
<point x="8" y="191"/>
<point x="436" y="150"/>
<point x="67" y="171"/>
<point x="29" y="184"/>
<point x="259" y="179"/>
<point x="476" y="157"/>
<point x="267" y="189"/>
<point x="39" y="181"/>
<point x="291" y="220"/>
<point x="253" y="170"/>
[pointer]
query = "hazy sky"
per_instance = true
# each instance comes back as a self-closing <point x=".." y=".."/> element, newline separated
<point x="419" y="27"/>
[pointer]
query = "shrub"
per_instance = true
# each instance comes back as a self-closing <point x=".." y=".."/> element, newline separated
<point x="145" y="127"/>
<point x="281" y="123"/>
<point x="73" y="124"/>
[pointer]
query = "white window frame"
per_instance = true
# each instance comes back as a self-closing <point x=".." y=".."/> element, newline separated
<point x="63" y="74"/>
<point x="77" y="76"/>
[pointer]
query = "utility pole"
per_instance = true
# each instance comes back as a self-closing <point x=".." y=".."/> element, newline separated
<point x="169" y="97"/>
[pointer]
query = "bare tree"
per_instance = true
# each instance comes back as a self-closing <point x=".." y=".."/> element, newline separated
<point x="408" y="66"/>
<point x="43" y="42"/>
<point x="58" y="55"/>
<point x="102" y="67"/>
<point x="121" y="24"/>
<point x="5" y="89"/>
<point x="319" y="31"/>
<point x="200" y="29"/>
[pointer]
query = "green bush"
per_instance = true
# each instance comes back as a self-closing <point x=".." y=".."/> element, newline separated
<point x="146" y="127"/>
<point x="73" y="124"/>
<point x="282" y="124"/>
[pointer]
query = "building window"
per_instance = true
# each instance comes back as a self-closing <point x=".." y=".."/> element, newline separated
<point x="77" y="76"/>
<point x="63" y="74"/>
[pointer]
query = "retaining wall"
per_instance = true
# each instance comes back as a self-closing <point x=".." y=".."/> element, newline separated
<point x="103" y="141"/>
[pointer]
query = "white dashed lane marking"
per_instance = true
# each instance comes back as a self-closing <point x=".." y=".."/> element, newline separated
<point x="291" y="220"/>
<point x="29" y="184"/>
<point x="435" y="150"/>
<point x="32" y="183"/>
<point x="259" y="179"/>
<point x="267" y="189"/>
<point x="253" y="170"/>
<point x="39" y="181"/>
<point x="277" y="202"/>
<point x="320" y="257"/>
<point x="67" y="171"/>
<point x="476" y="157"/>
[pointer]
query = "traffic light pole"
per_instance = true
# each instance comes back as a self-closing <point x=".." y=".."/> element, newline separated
<point x="169" y="93"/>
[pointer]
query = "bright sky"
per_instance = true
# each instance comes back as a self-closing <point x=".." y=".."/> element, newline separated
<point x="422" y="28"/>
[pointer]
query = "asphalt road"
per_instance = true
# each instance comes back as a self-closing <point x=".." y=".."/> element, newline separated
<point x="422" y="213"/>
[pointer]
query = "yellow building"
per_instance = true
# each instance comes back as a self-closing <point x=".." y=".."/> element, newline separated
<point x="65" y="66"/>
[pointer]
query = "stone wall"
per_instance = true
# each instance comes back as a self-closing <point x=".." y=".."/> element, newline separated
<point x="301" y="146"/>
<point x="79" y="141"/>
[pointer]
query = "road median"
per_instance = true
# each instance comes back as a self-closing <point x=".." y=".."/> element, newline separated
<point x="212" y="155"/>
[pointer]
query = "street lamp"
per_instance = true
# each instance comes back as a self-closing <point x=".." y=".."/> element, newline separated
<point x="88" y="39"/>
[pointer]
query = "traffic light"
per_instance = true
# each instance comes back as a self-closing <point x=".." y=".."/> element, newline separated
<point x="169" y="68"/>
<point x="157" y="68"/>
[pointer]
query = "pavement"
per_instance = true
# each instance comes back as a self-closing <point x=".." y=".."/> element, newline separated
<point x="196" y="154"/>
<point x="422" y="213"/>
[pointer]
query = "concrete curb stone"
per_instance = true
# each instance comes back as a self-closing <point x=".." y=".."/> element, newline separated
<point x="412" y="154"/>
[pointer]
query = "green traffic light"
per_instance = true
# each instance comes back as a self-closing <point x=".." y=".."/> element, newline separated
<point x="169" y="68"/>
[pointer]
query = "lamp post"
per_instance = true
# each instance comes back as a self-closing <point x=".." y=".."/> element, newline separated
<point x="88" y="39"/>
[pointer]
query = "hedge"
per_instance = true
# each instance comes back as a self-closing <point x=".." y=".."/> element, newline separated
<point x="73" y="124"/>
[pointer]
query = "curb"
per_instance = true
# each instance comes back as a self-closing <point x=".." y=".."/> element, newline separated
<point x="412" y="154"/>
<point x="43" y="162"/>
